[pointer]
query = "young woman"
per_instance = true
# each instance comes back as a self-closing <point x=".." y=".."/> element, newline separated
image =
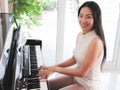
<point x="89" y="54"/>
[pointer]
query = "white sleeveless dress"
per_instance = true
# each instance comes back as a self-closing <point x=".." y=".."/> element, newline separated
<point x="92" y="80"/>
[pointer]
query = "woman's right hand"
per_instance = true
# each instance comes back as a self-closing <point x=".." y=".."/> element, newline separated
<point x="45" y="72"/>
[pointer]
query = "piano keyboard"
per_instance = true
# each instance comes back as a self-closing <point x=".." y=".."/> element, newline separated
<point x="35" y="60"/>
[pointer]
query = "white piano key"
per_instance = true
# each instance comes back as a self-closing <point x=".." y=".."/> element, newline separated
<point x="39" y="55"/>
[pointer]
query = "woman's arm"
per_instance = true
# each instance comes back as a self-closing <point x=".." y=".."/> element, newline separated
<point x="46" y="71"/>
<point x="71" y="61"/>
<point x="94" y="50"/>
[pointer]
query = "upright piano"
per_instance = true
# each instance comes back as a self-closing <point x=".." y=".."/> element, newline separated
<point x="20" y="64"/>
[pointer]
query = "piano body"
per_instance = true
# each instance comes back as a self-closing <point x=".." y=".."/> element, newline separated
<point x="20" y="63"/>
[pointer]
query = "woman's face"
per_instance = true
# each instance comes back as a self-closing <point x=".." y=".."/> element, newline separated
<point x="86" y="20"/>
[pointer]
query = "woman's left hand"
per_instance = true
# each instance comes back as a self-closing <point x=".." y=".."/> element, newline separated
<point x="45" y="71"/>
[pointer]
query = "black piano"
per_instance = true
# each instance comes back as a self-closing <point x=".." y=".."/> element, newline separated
<point x="21" y="68"/>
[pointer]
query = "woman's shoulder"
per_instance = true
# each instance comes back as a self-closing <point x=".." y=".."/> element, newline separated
<point x="96" y="42"/>
<point x="79" y="34"/>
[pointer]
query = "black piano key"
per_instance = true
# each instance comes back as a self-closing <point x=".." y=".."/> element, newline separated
<point x="35" y="79"/>
<point x="33" y="62"/>
<point x="33" y="83"/>
<point x="34" y="66"/>
<point x="33" y="59"/>
<point x="34" y="72"/>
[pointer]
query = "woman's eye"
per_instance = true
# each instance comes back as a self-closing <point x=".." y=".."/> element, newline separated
<point x="80" y="16"/>
<point x="89" y="16"/>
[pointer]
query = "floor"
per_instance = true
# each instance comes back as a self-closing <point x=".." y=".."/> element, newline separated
<point x="111" y="80"/>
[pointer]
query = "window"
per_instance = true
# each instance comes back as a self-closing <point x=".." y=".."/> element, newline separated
<point x="47" y="32"/>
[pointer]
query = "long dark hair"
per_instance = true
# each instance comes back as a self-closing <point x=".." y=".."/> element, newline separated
<point x="97" y="23"/>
